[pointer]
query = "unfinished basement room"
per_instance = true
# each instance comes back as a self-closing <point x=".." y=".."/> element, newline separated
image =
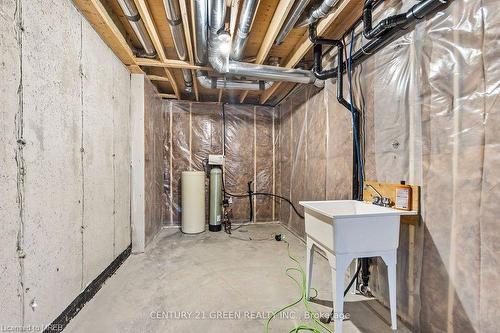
<point x="267" y="166"/>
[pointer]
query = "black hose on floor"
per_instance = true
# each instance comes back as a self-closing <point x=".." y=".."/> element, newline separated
<point x="266" y="194"/>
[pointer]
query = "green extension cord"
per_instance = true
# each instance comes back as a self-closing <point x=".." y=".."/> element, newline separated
<point x="318" y="326"/>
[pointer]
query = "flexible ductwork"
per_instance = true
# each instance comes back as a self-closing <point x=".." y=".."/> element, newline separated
<point x="219" y="50"/>
<point x="200" y="31"/>
<point x="297" y="10"/>
<point x="217" y="16"/>
<point x="216" y="83"/>
<point x="319" y="12"/>
<point x="247" y="15"/>
<point x="130" y="10"/>
<point x="175" y="22"/>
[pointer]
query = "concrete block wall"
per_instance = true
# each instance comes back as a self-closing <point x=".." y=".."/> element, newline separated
<point x="64" y="156"/>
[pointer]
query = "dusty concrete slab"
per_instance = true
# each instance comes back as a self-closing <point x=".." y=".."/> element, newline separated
<point x="52" y="131"/>
<point x="10" y="53"/>
<point x="210" y="275"/>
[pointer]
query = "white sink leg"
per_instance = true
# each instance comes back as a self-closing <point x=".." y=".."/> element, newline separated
<point x="352" y="269"/>
<point x="309" y="265"/>
<point x="339" y="264"/>
<point x="390" y="260"/>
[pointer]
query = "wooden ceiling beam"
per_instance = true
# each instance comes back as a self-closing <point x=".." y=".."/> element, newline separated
<point x="158" y="78"/>
<point x="168" y="96"/>
<point x="189" y="44"/>
<point x="169" y="63"/>
<point x="346" y="9"/>
<point x="135" y="69"/>
<point x="102" y="22"/>
<point x="143" y="9"/>
<point x="277" y="21"/>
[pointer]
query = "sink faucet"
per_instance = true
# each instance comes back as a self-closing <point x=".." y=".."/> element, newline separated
<point x="379" y="199"/>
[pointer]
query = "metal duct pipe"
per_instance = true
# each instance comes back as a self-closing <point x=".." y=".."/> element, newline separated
<point x="130" y="10"/>
<point x="216" y="83"/>
<point x="297" y="10"/>
<point x="200" y="8"/>
<point x="319" y="12"/>
<point x="272" y="73"/>
<point x="219" y="50"/>
<point x="175" y="22"/>
<point x="218" y="40"/>
<point x="217" y="16"/>
<point x="245" y="22"/>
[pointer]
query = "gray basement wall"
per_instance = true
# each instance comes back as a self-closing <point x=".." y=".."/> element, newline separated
<point x="64" y="158"/>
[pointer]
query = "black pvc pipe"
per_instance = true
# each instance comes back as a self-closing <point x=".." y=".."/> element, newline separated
<point x="383" y="26"/>
<point x="250" y="195"/>
<point x="415" y="13"/>
<point x="323" y="75"/>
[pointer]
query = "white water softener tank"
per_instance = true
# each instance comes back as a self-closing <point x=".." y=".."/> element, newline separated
<point x="193" y="201"/>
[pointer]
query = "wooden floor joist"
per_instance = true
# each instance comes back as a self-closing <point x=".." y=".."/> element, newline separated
<point x="102" y="22"/>
<point x="279" y="17"/>
<point x="169" y="63"/>
<point x="189" y="45"/>
<point x="153" y="34"/>
<point x="168" y="96"/>
<point x="348" y="8"/>
<point x="271" y="16"/>
<point x="158" y="78"/>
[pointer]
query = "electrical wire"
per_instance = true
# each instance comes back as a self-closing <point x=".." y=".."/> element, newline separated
<point x="302" y="285"/>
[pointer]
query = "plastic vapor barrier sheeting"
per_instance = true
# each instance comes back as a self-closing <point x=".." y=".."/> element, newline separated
<point x="431" y="117"/>
<point x="195" y="130"/>
<point x="154" y="135"/>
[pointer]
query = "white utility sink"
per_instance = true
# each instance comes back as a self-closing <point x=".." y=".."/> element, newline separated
<point x="346" y="230"/>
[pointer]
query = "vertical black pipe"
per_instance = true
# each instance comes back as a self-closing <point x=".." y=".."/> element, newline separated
<point x="357" y="193"/>
<point x="250" y="196"/>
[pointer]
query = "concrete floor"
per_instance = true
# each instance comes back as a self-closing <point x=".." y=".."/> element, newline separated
<point x="199" y="283"/>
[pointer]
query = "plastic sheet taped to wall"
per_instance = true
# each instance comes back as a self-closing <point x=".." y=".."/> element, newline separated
<point x="196" y="130"/>
<point x="431" y="117"/>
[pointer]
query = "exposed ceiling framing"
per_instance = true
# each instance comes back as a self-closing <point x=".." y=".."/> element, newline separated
<point x="165" y="70"/>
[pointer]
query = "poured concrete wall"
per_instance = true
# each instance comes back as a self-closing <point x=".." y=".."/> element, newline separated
<point x="64" y="124"/>
<point x="10" y="170"/>
<point x="137" y="148"/>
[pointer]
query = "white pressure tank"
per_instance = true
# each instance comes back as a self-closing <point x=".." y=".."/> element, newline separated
<point x="193" y="201"/>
